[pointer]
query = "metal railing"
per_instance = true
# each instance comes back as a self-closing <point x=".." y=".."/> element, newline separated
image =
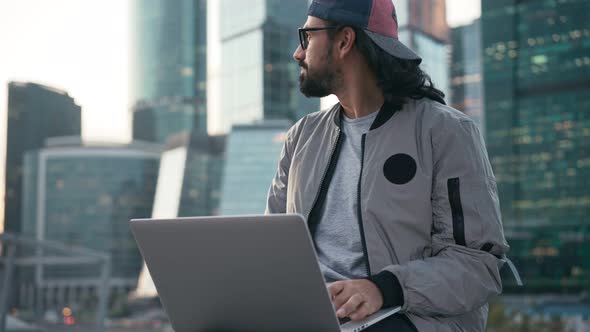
<point x="70" y="256"/>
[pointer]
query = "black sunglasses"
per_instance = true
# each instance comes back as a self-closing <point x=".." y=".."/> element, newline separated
<point x="303" y="34"/>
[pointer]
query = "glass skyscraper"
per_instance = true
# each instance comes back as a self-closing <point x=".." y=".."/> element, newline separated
<point x="170" y="89"/>
<point x="169" y="75"/>
<point x="537" y="101"/>
<point x="85" y="195"/>
<point x="423" y="27"/>
<point x="203" y="171"/>
<point x="466" y="71"/>
<point x="258" y="76"/>
<point x="251" y="163"/>
<point x="35" y="112"/>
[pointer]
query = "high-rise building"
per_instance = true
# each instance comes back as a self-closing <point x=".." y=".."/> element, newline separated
<point x="466" y="71"/>
<point x="258" y="76"/>
<point x="170" y="90"/>
<point x="84" y="196"/>
<point x="537" y="102"/>
<point x="251" y="163"/>
<point x="203" y="171"/>
<point x="423" y="27"/>
<point x="169" y="75"/>
<point x="35" y="112"/>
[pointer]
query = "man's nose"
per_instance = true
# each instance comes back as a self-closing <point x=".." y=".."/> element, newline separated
<point x="299" y="54"/>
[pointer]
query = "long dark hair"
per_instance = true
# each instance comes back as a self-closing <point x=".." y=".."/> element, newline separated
<point x="399" y="79"/>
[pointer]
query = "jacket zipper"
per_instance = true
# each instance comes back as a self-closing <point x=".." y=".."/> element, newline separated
<point x="317" y="196"/>
<point x="359" y="209"/>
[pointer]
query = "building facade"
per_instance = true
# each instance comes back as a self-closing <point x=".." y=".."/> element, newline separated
<point x="169" y="68"/>
<point x="423" y="27"/>
<point x="258" y="76"/>
<point x="84" y="196"/>
<point x="203" y="172"/>
<point x="537" y="101"/>
<point x="251" y="163"/>
<point x="35" y="112"/>
<point x="466" y="72"/>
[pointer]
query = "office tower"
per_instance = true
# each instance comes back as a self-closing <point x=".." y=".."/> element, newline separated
<point x="84" y="196"/>
<point x="170" y="90"/>
<point x="423" y="27"/>
<point x="168" y="76"/>
<point x="200" y="194"/>
<point x="466" y="71"/>
<point x="35" y="112"/>
<point x="258" y="76"/>
<point x="537" y="101"/>
<point x="251" y="163"/>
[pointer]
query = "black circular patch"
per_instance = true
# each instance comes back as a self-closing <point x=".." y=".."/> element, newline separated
<point x="399" y="168"/>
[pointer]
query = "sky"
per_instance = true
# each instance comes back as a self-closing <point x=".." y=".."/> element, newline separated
<point x="76" y="45"/>
<point x="81" y="46"/>
<point x="461" y="12"/>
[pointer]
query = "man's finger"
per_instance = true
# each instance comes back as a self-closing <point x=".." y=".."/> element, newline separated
<point x="342" y="297"/>
<point x="361" y="312"/>
<point x="350" y="306"/>
<point x="335" y="288"/>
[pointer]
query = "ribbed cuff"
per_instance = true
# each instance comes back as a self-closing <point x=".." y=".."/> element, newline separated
<point x="390" y="288"/>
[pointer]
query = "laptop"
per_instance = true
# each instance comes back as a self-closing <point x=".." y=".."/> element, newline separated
<point x="240" y="273"/>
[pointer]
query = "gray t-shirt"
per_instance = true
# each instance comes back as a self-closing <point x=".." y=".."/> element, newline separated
<point x="337" y="237"/>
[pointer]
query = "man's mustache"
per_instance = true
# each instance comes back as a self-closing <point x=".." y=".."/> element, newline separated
<point x="302" y="64"/>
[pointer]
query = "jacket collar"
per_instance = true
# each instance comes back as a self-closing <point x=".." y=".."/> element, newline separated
<point x="385" y="113"/>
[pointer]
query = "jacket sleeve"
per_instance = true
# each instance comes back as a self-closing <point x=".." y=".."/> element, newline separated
<point x="468" y="242"/>
<point x="276" y="201"/>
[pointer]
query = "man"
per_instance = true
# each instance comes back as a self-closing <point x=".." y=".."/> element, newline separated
<point x="397" y="188"/>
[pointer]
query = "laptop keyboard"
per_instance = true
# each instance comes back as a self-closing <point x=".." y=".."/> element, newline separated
<point x="344" y="320"/>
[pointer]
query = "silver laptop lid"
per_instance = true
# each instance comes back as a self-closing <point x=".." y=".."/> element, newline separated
<point x="241" y="273"/>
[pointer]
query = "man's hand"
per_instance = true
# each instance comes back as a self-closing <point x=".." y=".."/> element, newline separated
<point x="356" y="299"/>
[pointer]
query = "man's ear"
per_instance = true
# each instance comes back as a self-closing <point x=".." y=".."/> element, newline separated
<point x="345" y="41"/>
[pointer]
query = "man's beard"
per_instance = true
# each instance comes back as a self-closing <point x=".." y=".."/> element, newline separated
<point x="318" y="83"/>
<point x="320" y="86"/>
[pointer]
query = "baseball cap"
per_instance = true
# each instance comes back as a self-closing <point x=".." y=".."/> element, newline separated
<point x="376" y="17"/>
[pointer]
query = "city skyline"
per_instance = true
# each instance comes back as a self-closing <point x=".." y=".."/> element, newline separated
<point x="112" y="110"/>
<point x="97" y="58"/>
<point x="34" y="57"/>
<point x="168" y="74"/>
